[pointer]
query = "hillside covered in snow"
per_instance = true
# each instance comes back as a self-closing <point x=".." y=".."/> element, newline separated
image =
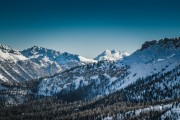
<point x="14" y="67"/>
<point x="154" y="58"/>
<point x="35" y="62"/>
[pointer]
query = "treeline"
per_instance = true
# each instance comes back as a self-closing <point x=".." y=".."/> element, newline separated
<point x="52" y="108"/>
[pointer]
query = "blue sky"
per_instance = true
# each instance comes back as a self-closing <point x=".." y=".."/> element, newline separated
<point x="87" y="27"/>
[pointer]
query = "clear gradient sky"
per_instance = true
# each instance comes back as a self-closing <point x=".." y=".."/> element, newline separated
<point x="87" y="27"/>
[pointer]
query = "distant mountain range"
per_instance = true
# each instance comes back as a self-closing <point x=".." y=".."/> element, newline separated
<point x="38" y="62"/>
<point x="35" y="62"/>
<point x="44" y="56"/>
<point x="112" y="55"/>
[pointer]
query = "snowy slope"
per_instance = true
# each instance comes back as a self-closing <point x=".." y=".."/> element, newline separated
<point x="159" y="57"/>
<point x="15" y="67"/>
<point x="100" y="75"/>
<point x="155" y="57"/>
<point x="7" y="53"/>
<point x="35" y="62"/>
<point x="173" y="113"/>
<point x="112" y="55"/>
<point x="44" y="56"/>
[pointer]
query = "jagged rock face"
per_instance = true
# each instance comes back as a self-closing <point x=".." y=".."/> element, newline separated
<point x="148" y="44"/>
<point x="165" y="43"/>
<point x="112" y="55"/>
<point x="170" y="43"/>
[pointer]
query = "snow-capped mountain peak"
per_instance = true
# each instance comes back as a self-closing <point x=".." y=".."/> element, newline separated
<point x="7" y="53"/>
<point x="37" y="51"/>
<point x="15" y="66"/>
<point x="43" y="56"/>
<point x="111" y="55"/>
<point x="7" y="49"/>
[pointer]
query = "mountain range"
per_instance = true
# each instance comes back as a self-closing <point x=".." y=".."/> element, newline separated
<point x="154" y="57"/>
<point x="36" y="62"/>
<point x="115" y="85"/>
